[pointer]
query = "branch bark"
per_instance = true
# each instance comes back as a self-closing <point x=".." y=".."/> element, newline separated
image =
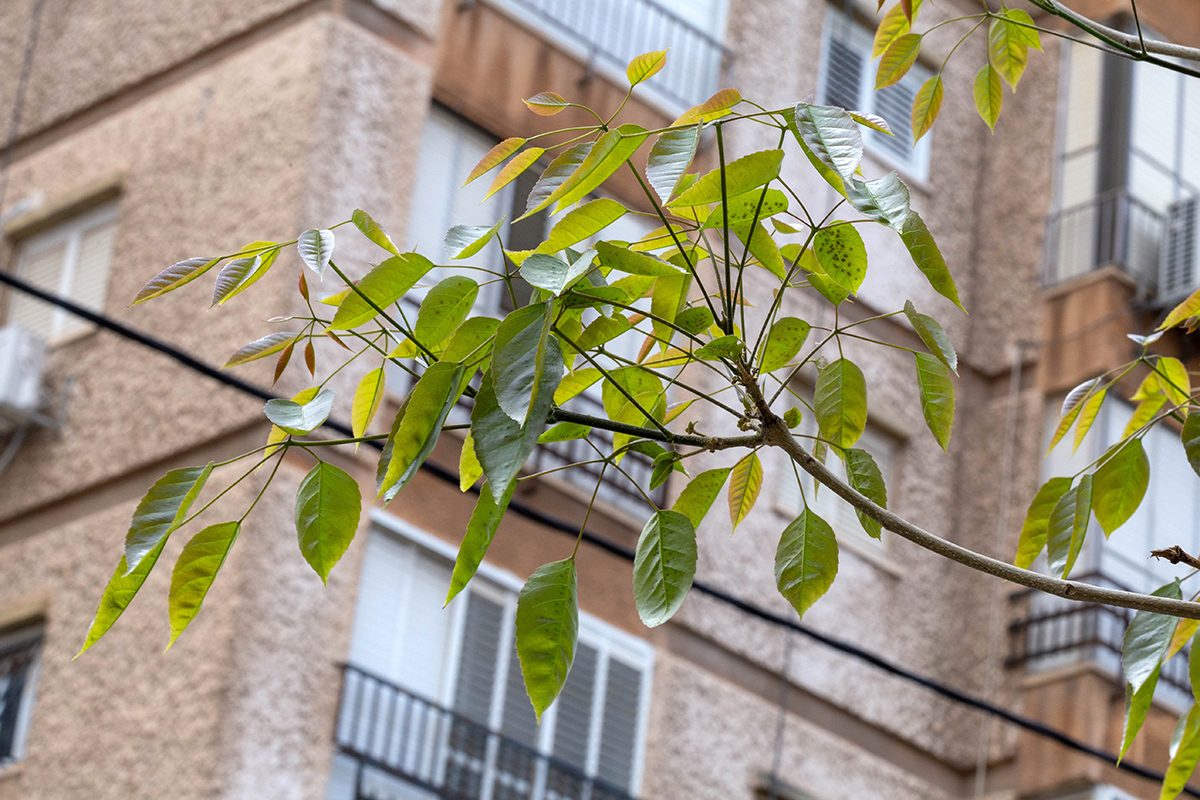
<point x="777" y="434"/>
<point x="1130" y="45"/>
<point x="669" y="437"/>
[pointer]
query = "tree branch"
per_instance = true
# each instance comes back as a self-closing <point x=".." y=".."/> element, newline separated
<point x="777" y="434"/>
<point x="686" y="439"/>
<point x="1131" y="45"/>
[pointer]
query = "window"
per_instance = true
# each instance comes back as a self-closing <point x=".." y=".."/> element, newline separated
<point x="828" y="506"/>
<point x="71" y="259"/>
<point x="847" y="80"/>
<point x="18" y="677"/>
<point x="459" y="665"/>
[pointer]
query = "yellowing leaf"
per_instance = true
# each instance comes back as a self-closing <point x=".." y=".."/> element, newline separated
<point x="495" y="156"/>
<point x="1180" y="313"/>
<point x="645" y="66"/>
<point x="367" y="398"/>
<point x="714" y="107"/>
<point x="926" y="106"/>
<point x="745" y="482"/>
<point x="469" y="470"/>
<point x="893" y="25"/>
<point x="897" y="60"/>
<point x="1173" y="377"/>
<point x="989" y="95"/>
<point x="546" y="104"/>
<point x="513" y="169"/>
<point x="194" y="572"/>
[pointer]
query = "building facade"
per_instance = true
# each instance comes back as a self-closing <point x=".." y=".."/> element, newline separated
<point x="147" y="133"/>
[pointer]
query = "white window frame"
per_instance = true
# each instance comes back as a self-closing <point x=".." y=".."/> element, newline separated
<point x="860" y="39"/>
<point x="502" y="587"/>
<point x="25" y="635"/>
<point x="65" y="326"/>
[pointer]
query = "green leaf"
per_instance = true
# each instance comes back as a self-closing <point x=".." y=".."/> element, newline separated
<point x="1146" y="639"/>
<point x="1184" y="756"/>
<point x="926" y="106"/>
<point x="494" y="157"/>
<point x="747" y="207"/>
<point x="197" y="567"/>
<point x="670" y="157"/>
<point x="384" y="285"/>
<point x="694" y="320"/>
<point x="645" y="66"/>
<point x="513" y="169"/>
<point x="582" y="223"/>
<point x="464" y="241"/>
<point x="697" y="497"/>
<point x="631" y="262"/>
<point x="746" y="173"/>
<point x="841" y="403"/>
<point x="261" y="348"/>
<point x="328" y="506"/>
<point x="606" y="157"/>
<point x="1145" y="411"/>
<point x="235" y="276"/>
<point x="893" y="25"/>
<point x="1120" y="485"/>
<point x="316" y="248"/>
<point x="444" y="308"/>
<point x="118" y="594"/>
<point x="1037" y="520"/>
<point x="792" y="417"/>
<point x="1007" y="50"/>
<point x="865" y="478"/>
<point x="932" y="334"/>
<point x="897" y="60"/>
<point x="367" y="397"/>
<point x="576" y="382"/>
<point x="1067" y="527"/>
<point x="728" y="346"/>
<point x="1071" y="407"/>
<point x="519" y="358"/>
<point x="546" y="104"/>
<point x="715" y="107"/>
<point x="806" y="561"/>
<point x="1180" y="313"/>
<point x="601" y="330"/>
<point x="481" y="529"/>
<point x="989" y="95"/>
<point x="547" y="628"/>
<point x="669" y="297"/>
<point x="745" y="482"/>
<point x="300" y="418"/>
<point x="469" y="341"/>
<point x="1193" y="656"/>
<point x="842" y="254"/>
<point x="884" y="200"/>
<point x="565" y="431"/>
<point x="784" y="341"/>
<point x="501" y="443"/>
<point x="173" y="277"/>
<point x="762" y="247"/>
<point x="469" y="470"/>
<point x="1022" y="26"/>
<point x="663" y="566"/>
<point x="1191" y="441"/>
<point x="1137" y="705"/>
<point x="372" y="230"/>
<point x="552" y="178"/>
<point x="162" y="510"/>
<point x="1173" y="377"/>
<point x="831" y="135"/>
<point x="937" y="396"/>
<point x="928" y="258"/>
<point x="418" y="425"/>
<point x="1185" y="630"/>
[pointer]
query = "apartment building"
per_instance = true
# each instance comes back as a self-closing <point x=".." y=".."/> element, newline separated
<point x="153" y="132"/>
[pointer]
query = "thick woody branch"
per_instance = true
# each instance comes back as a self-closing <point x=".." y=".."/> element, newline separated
<point x="777" y="434"/>
<point x="1129" y="44"/>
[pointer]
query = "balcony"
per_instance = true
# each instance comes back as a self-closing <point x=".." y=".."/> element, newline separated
<point x="607" y="34"/>
<point x="403" y="746"/>
<point x="1046" y="633"/>
<point x="1113" y="229"/>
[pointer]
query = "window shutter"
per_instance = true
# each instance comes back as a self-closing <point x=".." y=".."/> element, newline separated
<point x="573" y="723"/>
<point x="843" y="72"/>
<point x="89" y="284"/>
<point x="44" y="270"/>
<point x="894" y="104"/>
<point x="376" y="622"/>
<point x="618" y="736"/>
<point x="478" y="659"/>
<point x="518" y="721"/>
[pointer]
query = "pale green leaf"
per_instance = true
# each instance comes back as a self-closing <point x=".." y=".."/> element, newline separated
<point x="670" y="157"/>
<point x="663" y="566"/>
<point x="884" y="200"/>
<point x="989" y="95"/>
<point x="928" y="258"/>
<point x="328" y="506"/>
<point x="1180" y="313"/>
<point x="864" y="477"/>
<point x="937" y="396"/>
<point x="195" y="571"/>
<point x="494" y="157"/>
<point x="1184" y="756"/>
<point x="464" y="241"/>
<point x="444" y="308"/>
<point x="513" y="169"/>
<point x="481" y="529"/>
<point x="926" y="106"/>
<point x="546" y="104"/>
<point x="698" y="496"/>
<point x="897" y="60"/>
<point x="118" y="594"/>
<point x="1185" y="630"/>
<point x="373" y="231"/>
<point x="1037" y="520"/>
<point x="806" y="561"/>
<point x="841" y="403"/>
<point x="173" y="277"/>
<point x="575" y="382"/>
<point x="469" y="470"/>
<point x="631" y="262"/>
<point x="842" y="255"/>
<point x="1173" y="377"/>
<point x="1023" y="27"/>
<point x="1067" y="527"/>
<point x="237" y="274"/>
<point x="382" y="286"/>
<point x="745" y="482"/>
<point x="162" y="510"/>
<point x="606" y="156"/>
<point x="300" y="418"/>
<point x="1137" y="705"/>
<point x="1008" y="51"/>
<point x="1071" y="408"/>
<point x="645" y="66"/>
<point x="932" y="334"/>
<point x="715" y="107"/>
<point x="581" y="223"/>
<point x="261" y="348"/>
<point x="746" y="173"/>
<point x="762" y="247"/>
<point x="893" y="25"/>
<point x="547" y="629"/>
<point x="367" y="397"/>
<point x="1119" y="486"/>
<point x="561" y="168"/>
<point x="316" y="248"/>
<point x="784" y="341"/>
<point x="728" y="346"/>
<point x="418" y="425"/>
<point x="831" y="135"/>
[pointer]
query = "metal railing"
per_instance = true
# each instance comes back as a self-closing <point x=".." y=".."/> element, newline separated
<point x="406" y="746"/>
<point x="614" y="31"/>
<point x="1114" y="228"/>
<point x="1064" y="632"/>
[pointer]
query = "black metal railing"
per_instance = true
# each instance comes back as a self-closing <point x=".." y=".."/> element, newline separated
<point x="1067" y="632"/>
<point x="614" y="31"/>
<point x="400" y="741"/>
<point x="1112" y="229"/>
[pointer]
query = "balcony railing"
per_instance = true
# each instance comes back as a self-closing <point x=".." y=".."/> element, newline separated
<point x="1113" y="229"/>
<point x="612" y="32"/>
<point x="404" y="746"/>
<point x="1054" y="633"/>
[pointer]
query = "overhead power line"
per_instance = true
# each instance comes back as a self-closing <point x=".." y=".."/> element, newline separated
<point x="832" y="642"/>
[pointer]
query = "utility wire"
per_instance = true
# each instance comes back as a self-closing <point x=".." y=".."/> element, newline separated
<point x="530" y="513"/>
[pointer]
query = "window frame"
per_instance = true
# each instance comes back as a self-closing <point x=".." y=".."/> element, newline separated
<point x="16" y="638"/>
<point x="69" y="231"/>
<point x="502" y="587"/>
<point x="859" y="35"/>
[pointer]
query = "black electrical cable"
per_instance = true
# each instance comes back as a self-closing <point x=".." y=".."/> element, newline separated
<point x="625" y="553"/>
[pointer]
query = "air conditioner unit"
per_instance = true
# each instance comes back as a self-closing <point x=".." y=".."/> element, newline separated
<point x="22" y="354"/>
<point x="1178" y="273"/>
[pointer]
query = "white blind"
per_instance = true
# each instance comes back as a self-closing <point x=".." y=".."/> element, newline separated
<point x="44" y="270"/>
